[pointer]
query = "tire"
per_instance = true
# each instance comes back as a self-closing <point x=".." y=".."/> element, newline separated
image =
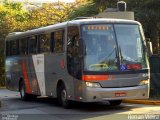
<point x="23" y="94"/>
<point x="115" y="102"/>
<point x="62" y="97"/>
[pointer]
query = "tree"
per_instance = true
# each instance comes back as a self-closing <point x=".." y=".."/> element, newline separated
<point x="92" y="8"/>
<point x="147" y="12"/>
<point x="13" y="18"/>
<point x="50" y="13"/>
<point x="85" y="10"/>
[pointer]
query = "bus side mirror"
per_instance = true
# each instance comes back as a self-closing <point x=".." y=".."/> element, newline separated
<point x="149" y="47"/>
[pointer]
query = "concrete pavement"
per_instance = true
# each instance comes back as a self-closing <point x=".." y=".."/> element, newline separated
<point x="3" y="94"/>
<point x="147" y="102"/>
<point x="0" y="99"/>
<point x="13" y="107"/>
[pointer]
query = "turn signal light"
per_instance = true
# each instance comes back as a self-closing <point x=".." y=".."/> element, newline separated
<point x="144" y="82"/>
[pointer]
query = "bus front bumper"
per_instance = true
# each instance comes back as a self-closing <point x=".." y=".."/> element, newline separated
<point x="102" y="94"/>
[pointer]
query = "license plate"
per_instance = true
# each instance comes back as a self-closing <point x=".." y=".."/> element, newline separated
<point x="120" y="94"/>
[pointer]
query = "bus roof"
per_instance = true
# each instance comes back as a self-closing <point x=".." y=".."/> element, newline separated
<point x="102" y="20"/>
<point x="64" y="24"/>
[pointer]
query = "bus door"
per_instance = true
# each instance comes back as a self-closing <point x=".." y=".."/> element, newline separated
<point x="74" y="59"/>
<point x="73" y="52"/>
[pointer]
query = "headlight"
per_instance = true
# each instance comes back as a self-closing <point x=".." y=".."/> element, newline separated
<point x="144" y="82"/>
<point x="94" y="85"/>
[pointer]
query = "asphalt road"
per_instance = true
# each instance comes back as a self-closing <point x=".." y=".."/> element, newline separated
<point x="13" y="108"/>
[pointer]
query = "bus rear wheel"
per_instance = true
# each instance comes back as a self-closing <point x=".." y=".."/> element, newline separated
<point x="115" y="102"/>
<point x="62" y="97"/>
<point x="23" y="94"/>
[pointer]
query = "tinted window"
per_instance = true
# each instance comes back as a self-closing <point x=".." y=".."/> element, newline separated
<point x="8" y="48"/>
<point x="14" y="47"/>
<point x="58" y="41"/>
<point x="43" y="43"/>
<point x="23" y="46"/>
<point x="33" y="45"/>
<point x="73" y="52"/>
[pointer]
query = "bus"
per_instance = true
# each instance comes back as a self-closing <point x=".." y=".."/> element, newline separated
<point x="85" y="60"/>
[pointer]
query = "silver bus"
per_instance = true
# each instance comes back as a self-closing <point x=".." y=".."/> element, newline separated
<point x="87" y="60"/>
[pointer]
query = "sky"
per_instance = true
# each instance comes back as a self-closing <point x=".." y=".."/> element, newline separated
<point x="46" y="1"/>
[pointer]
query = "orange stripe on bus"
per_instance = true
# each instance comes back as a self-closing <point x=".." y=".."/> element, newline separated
<point x="94" y="77"/>
<point x="28" y="89"/>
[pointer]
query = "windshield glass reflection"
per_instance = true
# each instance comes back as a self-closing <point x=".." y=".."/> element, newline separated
<point x="100" y="48"/>
<point x="130" y="44"/>
<point x="102" y="53"/>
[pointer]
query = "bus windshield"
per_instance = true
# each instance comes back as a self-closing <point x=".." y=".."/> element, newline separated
<point x="111" y="47"/>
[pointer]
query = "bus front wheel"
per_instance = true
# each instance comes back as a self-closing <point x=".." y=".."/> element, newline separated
<point x="62" y="97"/>
<point x="115" y="102"/>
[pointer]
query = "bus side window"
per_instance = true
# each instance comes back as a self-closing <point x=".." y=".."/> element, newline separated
<point x="23" y="46"/>
<point x="17" y="47"/>
<point x="14" y="46"/>
<point x="52" y="42"/>
<point x="58" y="41"/>
<point x="8" y="50"/>
<point x="43" y="43"/>
<point x="32" y="45"/>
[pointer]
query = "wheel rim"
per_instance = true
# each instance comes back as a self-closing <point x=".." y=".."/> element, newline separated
<point x="64" y="97"/>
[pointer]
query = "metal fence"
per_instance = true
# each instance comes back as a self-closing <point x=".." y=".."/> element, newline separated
<point x="2" y="79"/>
<point x="155" y="76"/>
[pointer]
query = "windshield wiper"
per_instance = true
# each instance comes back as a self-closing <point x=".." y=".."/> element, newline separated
<point x="120" y="55"/>
<point x="103" y="59"/>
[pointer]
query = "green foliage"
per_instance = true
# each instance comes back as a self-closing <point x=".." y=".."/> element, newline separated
<point x="86" y="10"/>
<point x="147" y="12"/>
<point x="14" y="5"/>
<point x="47" y="14"/>
<point x="102" y="4"/>
<point x="13" y="18"/>
<point x="92" y="8"/>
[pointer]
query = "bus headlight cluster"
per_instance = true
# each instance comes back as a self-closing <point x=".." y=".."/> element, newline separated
<point x="144" y="82"/>
<point x="92" y="84"/>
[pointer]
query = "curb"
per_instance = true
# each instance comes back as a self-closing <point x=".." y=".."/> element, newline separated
<point x="147" y="102"/>
<point x="2" y="87"/>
